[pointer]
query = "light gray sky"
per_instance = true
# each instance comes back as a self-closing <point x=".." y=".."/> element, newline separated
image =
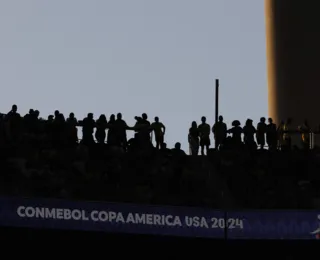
<point x="135" y="56"/>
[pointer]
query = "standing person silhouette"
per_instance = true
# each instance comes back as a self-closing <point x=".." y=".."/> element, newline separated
<point x="219" y="131"/>
<point x="272" y="137"/>
<point x="159" y="131"/>
<point x="193" y="138"/>
<point x="204" y="132"/>
<point x="261" y="132"/>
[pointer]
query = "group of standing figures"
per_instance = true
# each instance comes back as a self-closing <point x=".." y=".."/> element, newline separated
<point x="61" y="132"/>
<point x="275" y="137"/>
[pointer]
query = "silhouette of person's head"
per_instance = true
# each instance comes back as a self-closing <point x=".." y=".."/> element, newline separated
<point x="71" y="115"/>
<point x="262" y="119"/>
<point x="14" y="108"/>
<point x="50" y="118"/>
<point x="270" y="120"/>
<point x="236" y="123"/>
<point x="249" y="122"/>
<point x="139" y="119"/>
<point x="36" y="113"/>
<point x="177" y="146"/>
<point x="102" y="118"/>
<point x="144" y="116"/>
<point x="56" y="113"/>
<point x="90" y="115"/>
<point x="119" y="116"/>
<point x="31" y="111"/>
<point x="194" y="124"/>
<point x="112" y="117"/>
<point x="156" y="119"/>
<point x="203" y="119"/>
<point x="220" y="118"/>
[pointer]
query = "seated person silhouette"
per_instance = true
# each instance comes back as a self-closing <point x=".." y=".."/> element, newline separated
<point x="177" y="151"/>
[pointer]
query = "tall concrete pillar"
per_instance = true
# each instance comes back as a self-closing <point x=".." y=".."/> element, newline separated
<point x="293" y="60"/>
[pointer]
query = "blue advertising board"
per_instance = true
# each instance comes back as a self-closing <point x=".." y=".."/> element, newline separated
<point x="276" y="225"/>
<point x="110" y="217"/>
<point x="158" y="220"/>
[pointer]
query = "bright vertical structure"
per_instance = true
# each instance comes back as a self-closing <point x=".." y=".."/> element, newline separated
<point x="293" y="60"/>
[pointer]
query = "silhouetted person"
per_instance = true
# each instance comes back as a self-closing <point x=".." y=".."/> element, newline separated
<point x="164" y="150"/>
<point x="236" y="132"/>
<point x="37" y="123"/>
<point x="219" y="131"/>
<point x="14" y="124"/>
<point x="159" y="131"/>
<point x="72" y="129"/>
<point x="193" y="138"/>
<point x="272" y="137"/>
<point x="56" y="114"/>
<point x="120" y="127"/>
<point x="28" y="122"/>
<point x="138" y="126"/>
<point x="48" y="128"/>
<point x="287" y="132"/>
<point x="204" y="132"/>
<point x="60" y="129"/>
<point x="177" y="151"/>
<point x="111" y="137"/>
<point x="261" y="132"/>
<point x="248" y="131"/>
<point x="101" y="125"/>
<point x="145" y="130"/>
<point x="305" y="131"/>
<point x="88" y="125"/>
<point x="280" y="134"/>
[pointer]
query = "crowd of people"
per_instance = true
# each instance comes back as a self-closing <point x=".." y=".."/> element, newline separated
<point x="45" y="158"/>
<point x="61" y="132"/>
<point x="250" y="137"/>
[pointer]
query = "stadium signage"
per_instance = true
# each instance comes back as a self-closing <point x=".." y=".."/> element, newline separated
<point x="158" y="220"/>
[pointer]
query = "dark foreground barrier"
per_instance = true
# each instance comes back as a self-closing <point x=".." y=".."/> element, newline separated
<point x="158" y="220"/>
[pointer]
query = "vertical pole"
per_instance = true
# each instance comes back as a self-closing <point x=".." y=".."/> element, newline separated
<point x="216" y="105"/>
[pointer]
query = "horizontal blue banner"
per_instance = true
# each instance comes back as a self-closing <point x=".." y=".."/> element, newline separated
<point x="277" y="225"/>
<point x="158" y="220"/>
<point x="111" y="217"/>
